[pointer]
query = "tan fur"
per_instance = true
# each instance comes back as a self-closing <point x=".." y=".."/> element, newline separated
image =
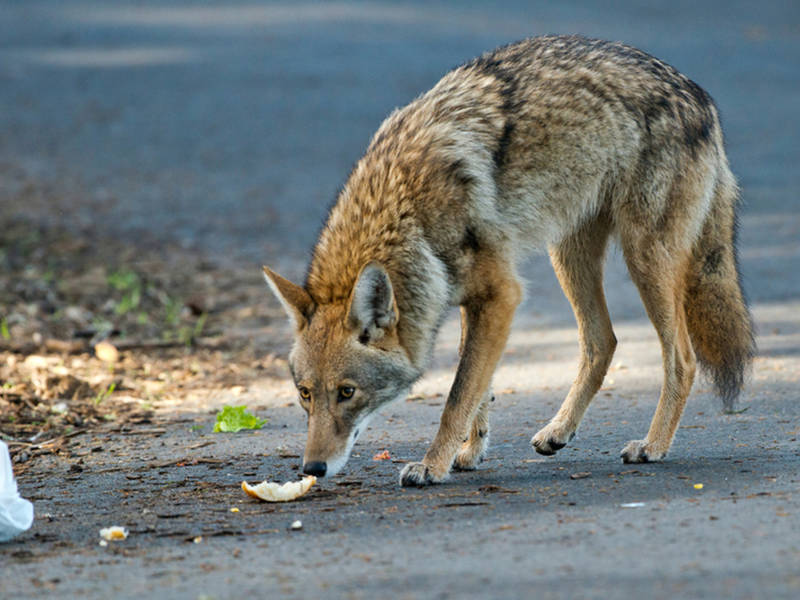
<point x="554" y="142"/>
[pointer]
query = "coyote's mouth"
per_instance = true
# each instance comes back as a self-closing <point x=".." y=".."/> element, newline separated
<point x="336" y="463"/>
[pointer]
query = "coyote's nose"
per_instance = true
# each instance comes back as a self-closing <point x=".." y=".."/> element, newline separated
<point x="315" y="468"/>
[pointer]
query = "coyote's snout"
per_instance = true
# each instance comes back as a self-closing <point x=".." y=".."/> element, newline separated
<point x="347" y="361"/>
<point x="559" y="143"/>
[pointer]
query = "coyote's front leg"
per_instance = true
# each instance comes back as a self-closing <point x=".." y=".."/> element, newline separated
<point x="488" y="318"/>
<point x="476" y="444"/>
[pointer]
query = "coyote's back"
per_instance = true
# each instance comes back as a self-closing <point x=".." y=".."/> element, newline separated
<point x="553" y="142"/>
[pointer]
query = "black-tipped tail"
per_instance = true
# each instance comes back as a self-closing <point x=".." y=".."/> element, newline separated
<point x="719" y="321"/>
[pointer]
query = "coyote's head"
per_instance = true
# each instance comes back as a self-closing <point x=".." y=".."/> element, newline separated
<point x="347" y="361"/>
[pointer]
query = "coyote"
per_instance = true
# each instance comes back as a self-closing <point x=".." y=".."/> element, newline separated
<point x="556" y="142"/>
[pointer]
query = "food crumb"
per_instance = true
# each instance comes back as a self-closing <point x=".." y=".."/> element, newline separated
<point x="113" y="533"/>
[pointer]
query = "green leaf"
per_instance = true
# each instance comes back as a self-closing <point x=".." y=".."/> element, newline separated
<point x="235" y="418"/>
<point x="123" y="280"/>
<point x="104" y="394"/>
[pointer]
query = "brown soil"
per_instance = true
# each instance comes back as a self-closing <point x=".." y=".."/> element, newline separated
<point x="96" y="334"/>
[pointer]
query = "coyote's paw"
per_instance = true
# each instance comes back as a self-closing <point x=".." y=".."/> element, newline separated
<point x="471" y="453"/>
<point x="639" y="451"/>
<point x="417" y="474"/>
<point x="551" y="439"/>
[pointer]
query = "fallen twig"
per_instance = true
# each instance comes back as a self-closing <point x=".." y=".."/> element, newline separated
<point x="50" y="442"/>
<point x="151" y="431"/>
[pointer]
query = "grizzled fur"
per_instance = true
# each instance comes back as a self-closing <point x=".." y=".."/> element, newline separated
<point x="554" y="142"/>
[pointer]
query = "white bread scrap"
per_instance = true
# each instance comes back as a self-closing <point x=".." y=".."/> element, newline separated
<point x="274" y="492"/>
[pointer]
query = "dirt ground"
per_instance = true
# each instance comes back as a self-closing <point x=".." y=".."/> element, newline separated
<point x="97" y="334"/>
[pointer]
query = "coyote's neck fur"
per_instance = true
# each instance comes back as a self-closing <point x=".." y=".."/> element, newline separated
<point x="359" y="229"/>
<point x="356" y="234"/>
<point x="404" y="207"/>
<point x="377" y="218"/>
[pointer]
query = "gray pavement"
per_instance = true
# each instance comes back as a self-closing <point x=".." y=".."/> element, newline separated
<point x="230" y="127"/>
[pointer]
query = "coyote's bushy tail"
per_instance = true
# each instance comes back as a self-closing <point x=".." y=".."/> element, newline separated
<point x="719" y="322"/>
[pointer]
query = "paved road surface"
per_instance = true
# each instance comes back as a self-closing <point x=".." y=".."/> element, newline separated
<point x="229" y="128"/>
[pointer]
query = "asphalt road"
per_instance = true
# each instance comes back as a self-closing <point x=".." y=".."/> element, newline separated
<point x="229" y="128"/>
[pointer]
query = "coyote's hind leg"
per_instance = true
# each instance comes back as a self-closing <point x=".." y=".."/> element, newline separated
<point x="578" y="263"/>
<point x="660" y="279"/>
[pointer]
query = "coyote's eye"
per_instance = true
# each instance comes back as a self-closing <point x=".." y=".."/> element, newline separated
<point x="346" y="392"/>
<point x="305" y="394"/>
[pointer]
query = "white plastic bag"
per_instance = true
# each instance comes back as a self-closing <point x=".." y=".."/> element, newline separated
<point x="16" y="513"/>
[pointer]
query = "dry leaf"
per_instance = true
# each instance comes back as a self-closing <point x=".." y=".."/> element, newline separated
<point x="106" y="351"/>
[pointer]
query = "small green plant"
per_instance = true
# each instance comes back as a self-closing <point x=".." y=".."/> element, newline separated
<point x="4" y="329"/>
<point x="123" y="280"/>
<point x="102" y="326"/>
<point x="102" y="395"/>
<point x="188" y="334"/>
<point x="235" y="418"/>
<point x="130" y="284"/>
<point x="173" y="311"/>
<point x="199" y="325"/>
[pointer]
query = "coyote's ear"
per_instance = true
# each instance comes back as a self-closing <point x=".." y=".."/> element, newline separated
<point x="295" y="300"/>
<point x="373" y="310"/>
